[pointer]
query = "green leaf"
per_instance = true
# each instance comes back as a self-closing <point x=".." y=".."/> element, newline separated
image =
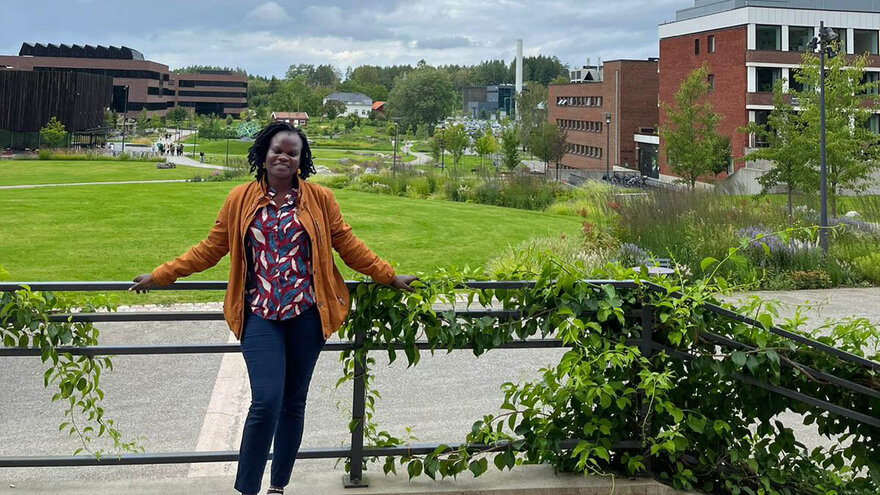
<point x="696" y="423"/>
<point x="414" y="468"/>
<point x="707" y="262"/>
<point x="738" y="358"/>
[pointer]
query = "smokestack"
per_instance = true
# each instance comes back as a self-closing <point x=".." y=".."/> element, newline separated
<point x="519" y="67"/>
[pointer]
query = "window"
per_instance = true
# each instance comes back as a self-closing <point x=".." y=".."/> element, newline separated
<point x="711" y="83"/>
<point x="798" y="38"/>
<point x="761" y="117"/>
<point x="865" y="41"/>
<point x="873" y="124"/>
<point x="697" y="46"/>
<point x="872" y="79"/>
<point x="767" y="78"/>
<point x="768" y="37"/>
<point x="841" y="33"/>
<point x="794" y="84"/>
<point x="710" y="44"/>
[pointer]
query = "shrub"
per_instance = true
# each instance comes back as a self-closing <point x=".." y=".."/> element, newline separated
<point x="488" y="193"/>
<point x="529" y="193"/>
<point x="526" y="260"/>
<point x="419" y="188"/>
<point x="335" y="181"/>
<point x="810" y="279"/>
<point x="45" y="155"/>
<point x="123" y="156"/>
<point x="869" y="267"/>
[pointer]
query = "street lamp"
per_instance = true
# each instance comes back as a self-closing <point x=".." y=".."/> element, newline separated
<point x="396" y="138"/>
<point x="124" y="111"/>
<point x="822" y="42"/>
<point x="608" y="147"/>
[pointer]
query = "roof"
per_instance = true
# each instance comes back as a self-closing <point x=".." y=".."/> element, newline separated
<point x="290" y="115"/>
<point x="78" y="51"/>
<point x="707" y="7"/>
<point x="378" y="104"/>
<point x="350" y="98"/>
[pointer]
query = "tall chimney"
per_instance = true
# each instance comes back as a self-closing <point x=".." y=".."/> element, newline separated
<point x="519" y="69"/>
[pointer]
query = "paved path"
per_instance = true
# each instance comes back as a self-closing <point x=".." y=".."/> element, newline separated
<point x="116" y="183"/>
<point x="189" y="162"/>
<point x="198" y="402"/>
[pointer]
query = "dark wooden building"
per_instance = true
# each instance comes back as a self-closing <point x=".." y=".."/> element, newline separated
<point x="29" y="99"/>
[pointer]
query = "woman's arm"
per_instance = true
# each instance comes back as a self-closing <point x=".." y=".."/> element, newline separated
<point x="200" y="257"/>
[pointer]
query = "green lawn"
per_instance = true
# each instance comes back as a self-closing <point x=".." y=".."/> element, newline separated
<point x="18" y="172"/>
<point x="117" y="232"/>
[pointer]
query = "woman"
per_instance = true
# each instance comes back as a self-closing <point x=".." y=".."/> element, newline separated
<point x="285" y="296"/>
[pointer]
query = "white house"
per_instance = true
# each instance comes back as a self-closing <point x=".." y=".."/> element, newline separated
<point x="355" y="103"/>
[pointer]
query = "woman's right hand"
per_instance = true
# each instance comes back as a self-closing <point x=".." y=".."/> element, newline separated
<point x="143" y="283"/>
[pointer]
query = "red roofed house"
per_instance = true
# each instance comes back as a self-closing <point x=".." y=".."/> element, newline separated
<point x="379" y="106"/>
<point x="298" y="119"/>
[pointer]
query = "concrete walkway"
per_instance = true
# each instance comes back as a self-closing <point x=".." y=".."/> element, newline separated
<point x="522" y="480"/>
<point x="189" y="162"/>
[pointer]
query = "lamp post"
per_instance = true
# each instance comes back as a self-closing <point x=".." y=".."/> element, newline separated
<point x="822" y="42"/>
<point x="124" y="111"/>
<point x="442" y="151"/>
<point x="608" y="147"/>
<point x="396" y="138"/>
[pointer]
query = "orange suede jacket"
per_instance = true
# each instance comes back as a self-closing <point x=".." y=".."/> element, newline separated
<point x="319" y="213"/>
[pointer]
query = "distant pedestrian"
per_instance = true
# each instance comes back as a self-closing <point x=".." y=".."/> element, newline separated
<point x="202" y="156"/>
<point x="179" y="149"/>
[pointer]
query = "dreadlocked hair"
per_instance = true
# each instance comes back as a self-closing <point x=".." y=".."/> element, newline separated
<point x="258" y="150"/>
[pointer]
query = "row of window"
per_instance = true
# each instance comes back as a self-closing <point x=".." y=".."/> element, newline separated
<point x="768" y="37"/>
<point x="583" y="150"/>
<point x="767" y="77"/>
<point x="710" y="44"/>
<point x="579" y="125"/>
<point x="160" y="91"/>
<point x="222" y="84"/>
<point x="578" y="101"/>
<point x="221" y="94"/>
<point x="762" y="116"/>
<point x="132" y="74"/>
<point x="194" y="104"/>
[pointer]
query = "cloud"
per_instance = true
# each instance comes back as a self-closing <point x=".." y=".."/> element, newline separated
<point x="443" y="42"/>
<point x="268" y="14"/>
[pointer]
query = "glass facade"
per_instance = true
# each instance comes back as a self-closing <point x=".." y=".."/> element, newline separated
<point x="767" y="77"/>
<point x="865" y="41"/>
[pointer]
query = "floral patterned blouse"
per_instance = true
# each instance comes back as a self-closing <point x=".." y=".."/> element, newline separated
<point x="279" y="280"/>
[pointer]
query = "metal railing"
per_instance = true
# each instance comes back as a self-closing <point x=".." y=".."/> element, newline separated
<point x="356" y="451"/>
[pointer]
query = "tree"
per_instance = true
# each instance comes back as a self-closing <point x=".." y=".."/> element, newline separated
<point x="176" y="115"/>
<point x="531" y="110"/>
<point x="109" y="118"/>
<point x="541" y="69"/>
<point x="156" y="122"/>
<point x="296" y="96"/>
<point x="53" y="133"/>
<point x="422" y="97"/>
<point x="851" y="151"/>
<point x="333" y="109"/>
<point x="510" y="148"/>
<point x="787" y="148"/>
<point x="692" y="144"/>
<point x="325" y="75"/>
<point x="548" y="143"/>
<point x="142" y="121"/>
<point x="485" y="145"/>
<point x="456" y="140"/>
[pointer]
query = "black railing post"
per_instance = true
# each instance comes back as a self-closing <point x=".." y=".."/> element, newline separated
<point x="646" y="347"/>
<point x="354" y="478"/>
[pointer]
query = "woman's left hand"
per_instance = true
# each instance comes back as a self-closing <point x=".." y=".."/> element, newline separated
<point x="401" y="282"/>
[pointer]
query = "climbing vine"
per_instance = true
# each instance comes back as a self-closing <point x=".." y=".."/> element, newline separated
<point x="25" y="322"/>
<point x="698" y="425"/>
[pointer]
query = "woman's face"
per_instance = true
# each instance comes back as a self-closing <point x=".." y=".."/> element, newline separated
<point x="282" y="158"/>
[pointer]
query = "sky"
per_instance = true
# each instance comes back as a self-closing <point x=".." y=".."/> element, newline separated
<point x="265" y="37"/>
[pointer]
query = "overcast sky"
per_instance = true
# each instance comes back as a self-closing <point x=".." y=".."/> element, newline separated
<point x="266" y="37"/>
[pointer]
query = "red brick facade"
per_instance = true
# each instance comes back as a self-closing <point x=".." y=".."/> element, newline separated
<point x="628" y="92"/>
<point x="728" y="66"/>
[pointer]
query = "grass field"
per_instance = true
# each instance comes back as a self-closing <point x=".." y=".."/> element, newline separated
<point x="18" y="172"/>
<point x="117" y="232"/>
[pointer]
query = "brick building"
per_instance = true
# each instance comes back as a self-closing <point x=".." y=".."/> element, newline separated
<point x="138" y="83"/>
<point x="624" y="91"/>
<point x="750" y="44"/>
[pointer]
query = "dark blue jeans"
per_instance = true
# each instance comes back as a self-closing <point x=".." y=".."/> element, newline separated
<point x="280" y="357"/>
